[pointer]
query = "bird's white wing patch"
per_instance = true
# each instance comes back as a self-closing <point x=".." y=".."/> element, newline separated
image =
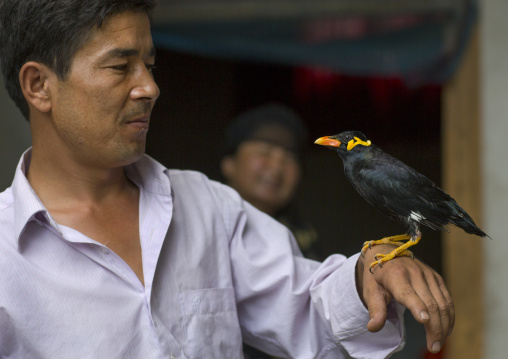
<point x="415" y="216"/>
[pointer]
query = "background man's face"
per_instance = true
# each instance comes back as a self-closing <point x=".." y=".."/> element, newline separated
<point x="265" y="174"/>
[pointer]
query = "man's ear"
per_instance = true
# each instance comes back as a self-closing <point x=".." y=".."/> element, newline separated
<point x="227" y="167"/>
<point x="33" y="79"/>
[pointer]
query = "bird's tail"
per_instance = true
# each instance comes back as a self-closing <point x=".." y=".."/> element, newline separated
<point x="462" y="220"/>
<point x="472" y="228"/>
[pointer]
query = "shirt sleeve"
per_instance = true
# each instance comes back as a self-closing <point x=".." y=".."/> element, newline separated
<point x="294" y="307"/>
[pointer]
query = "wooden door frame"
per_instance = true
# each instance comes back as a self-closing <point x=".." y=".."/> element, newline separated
<point x="462" y="253"/>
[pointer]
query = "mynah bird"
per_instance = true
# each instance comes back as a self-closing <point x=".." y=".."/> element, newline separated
<point x="398" y="191"/>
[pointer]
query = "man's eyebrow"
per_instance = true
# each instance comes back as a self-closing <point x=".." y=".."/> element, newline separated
<point x="121" y="53"/>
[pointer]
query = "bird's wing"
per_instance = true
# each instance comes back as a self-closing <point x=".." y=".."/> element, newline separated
<point x="401" y="192"/>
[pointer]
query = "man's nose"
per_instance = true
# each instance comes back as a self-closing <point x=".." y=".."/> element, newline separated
<point x="145" y="87"/>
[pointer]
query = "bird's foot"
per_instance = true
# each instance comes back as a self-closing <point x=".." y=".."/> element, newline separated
<point x="400" y="251"/>
<point x="383" y="258"/>
<point x="394" y="240"/>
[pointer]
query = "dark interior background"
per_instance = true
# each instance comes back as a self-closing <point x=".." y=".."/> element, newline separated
<point x="200" y="95"/>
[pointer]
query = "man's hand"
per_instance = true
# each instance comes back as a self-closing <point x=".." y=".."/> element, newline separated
<point x="412" y="284"/>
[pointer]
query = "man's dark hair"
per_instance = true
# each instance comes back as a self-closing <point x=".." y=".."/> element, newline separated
<point x="247" y="125"/>
<point x="51" y="32"/>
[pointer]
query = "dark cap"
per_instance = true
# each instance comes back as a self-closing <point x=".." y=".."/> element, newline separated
<point x="271" y="123"/>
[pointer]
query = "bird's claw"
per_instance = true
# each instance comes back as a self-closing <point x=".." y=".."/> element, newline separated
<point x="400" y="251"/>
<point x="383" y="258"/>
<point x="366" y="245"/>
<point x="373" y="264"/>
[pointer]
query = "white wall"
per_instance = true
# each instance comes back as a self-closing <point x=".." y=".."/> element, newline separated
<point x="14" y="137"/>
<point x="494" y="67"/>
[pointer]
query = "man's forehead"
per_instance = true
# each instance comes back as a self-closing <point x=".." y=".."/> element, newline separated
<point x="126" y="52"/>
<point x="121" y="35"/>
<point x="277" y="135"/>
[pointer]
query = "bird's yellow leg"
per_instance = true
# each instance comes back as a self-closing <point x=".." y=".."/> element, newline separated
<point x="397" y="252"/>
<point x="395" y="240"/>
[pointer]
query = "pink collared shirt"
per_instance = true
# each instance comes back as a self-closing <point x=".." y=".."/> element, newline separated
<point x="216" y="270"/>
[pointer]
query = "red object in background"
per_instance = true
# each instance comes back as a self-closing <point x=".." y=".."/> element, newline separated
<point x="314" y="83"/>
<point x="329" y="29"/>
<point x="440" y="355"/>
<point x="311" y="83"/>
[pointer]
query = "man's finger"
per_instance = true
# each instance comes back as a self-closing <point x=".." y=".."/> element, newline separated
<point x="438" y="331"/>
<point x="424" y="298"/>
<point x="376" y="299"/>
<point x="402" y="289"/>
<point x="449" y="301"/>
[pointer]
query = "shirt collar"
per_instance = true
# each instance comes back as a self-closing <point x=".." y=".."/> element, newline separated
<point x="149" y="175"/>
<point x="27" y="206"/>
<point x="146" y="173"/>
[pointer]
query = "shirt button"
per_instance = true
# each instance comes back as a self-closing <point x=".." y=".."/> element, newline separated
<point x="104" y="250"/>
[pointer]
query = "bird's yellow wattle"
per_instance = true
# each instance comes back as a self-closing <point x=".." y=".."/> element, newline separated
<point x="356" y="141"/>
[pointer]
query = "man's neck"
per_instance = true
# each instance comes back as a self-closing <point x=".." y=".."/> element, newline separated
<point x="67" y="183"/>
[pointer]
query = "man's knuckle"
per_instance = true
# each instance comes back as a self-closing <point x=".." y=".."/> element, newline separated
<point x="433" y="306"/>
<point x="444" y="306"/>
<point x="398" y="270"/>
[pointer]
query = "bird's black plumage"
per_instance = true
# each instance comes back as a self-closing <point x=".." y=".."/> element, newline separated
<point x="396" y="189"/>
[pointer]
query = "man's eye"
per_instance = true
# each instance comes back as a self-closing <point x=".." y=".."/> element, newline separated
<point x="150" y="67"/>
<point x="121" y="67"/>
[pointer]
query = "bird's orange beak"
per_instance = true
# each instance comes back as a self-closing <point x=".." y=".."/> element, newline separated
<point x="327" y="141"/>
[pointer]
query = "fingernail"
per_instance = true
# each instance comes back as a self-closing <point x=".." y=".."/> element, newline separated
<point x="424" y="315"/>
<point x="436" y="347"/>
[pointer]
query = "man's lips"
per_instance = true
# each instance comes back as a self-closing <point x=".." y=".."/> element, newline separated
<point x="272" y="183"/>
<point x="140" y="122"/>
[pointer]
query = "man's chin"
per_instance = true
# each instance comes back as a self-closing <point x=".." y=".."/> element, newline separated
<point x="132" y="155"/>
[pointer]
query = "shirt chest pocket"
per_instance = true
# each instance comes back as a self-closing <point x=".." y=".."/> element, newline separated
<point x="210" y="323"/>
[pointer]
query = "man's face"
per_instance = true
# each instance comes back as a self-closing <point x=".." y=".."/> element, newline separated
<point x="265" y="174"/>
<point x="101" y="111"/>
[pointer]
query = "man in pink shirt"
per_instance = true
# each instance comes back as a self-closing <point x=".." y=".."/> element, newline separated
<point x="107" y="254"/>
